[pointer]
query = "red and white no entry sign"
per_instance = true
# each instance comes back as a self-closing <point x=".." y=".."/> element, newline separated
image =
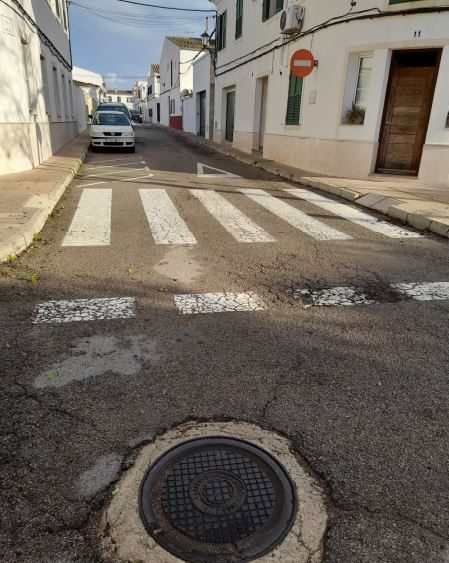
<point x="302" y="63"/>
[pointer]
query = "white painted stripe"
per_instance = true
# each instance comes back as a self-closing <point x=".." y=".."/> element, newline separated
<point x="165" y="222"/>
<point x="302" y="63"/>
<point x="90" y="176"/>
<point x="112" y="160"/>
<point x="91" y="225"/>
<point x="95" y="167"/>
<point x="352" y="214"/>
<point x="294" y="217"/>
<point x="231" y="218"/>
<point x="427" y="291"/>
<point x="119" y="180"/>
<point x="194" y="304"/>
<point x="84" y="310"/>
<point x="222" y="173"/>
<point x="333" y="297"/>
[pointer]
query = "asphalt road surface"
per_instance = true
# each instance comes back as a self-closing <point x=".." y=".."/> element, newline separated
<point x="210" y="294"/>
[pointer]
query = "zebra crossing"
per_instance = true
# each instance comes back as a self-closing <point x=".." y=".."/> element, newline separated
<point x="91" y="224"/>
<point x="109" y="309"/>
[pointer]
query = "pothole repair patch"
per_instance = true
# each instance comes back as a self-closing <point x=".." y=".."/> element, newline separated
<point x="218" y="492"/>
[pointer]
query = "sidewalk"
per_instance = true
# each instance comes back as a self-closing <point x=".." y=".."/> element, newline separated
<point x="421" y="206"/>
<point x="27" y="198"/>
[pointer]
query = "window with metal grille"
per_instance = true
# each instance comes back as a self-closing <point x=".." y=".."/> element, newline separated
<point x="29" y="76"/>
<point x="221" y="31"/>
<point x="72" y="109"/>
<point x="270" y="8"/>
<point x="45" y="88"/>
<point x="363" y="81"/>
<point x="64" y="96"/>
<point x="294" y="101"/>
<point x="238" y="19"/>
<point x="57" y="91"/>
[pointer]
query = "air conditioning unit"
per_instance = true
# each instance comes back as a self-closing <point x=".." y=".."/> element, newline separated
<point x="292" y="19"/>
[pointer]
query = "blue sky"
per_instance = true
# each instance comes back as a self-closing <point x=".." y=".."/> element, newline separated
<point x="122" y="45"/>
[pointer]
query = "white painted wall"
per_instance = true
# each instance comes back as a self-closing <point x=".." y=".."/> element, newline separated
<point x="191" y="106"/>
<point x="153" y="97"/>
<point x="320" y="143"/>
<point x="172" y="84"/>
<point x="36" y="120"/>
<point x="120" y="96"/>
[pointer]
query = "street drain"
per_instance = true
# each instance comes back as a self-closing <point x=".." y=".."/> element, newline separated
<point x="216" y="492"/>
<point x="217" y="499"/>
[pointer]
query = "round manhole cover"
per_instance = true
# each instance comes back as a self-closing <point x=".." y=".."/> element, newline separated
<point x="217" y="500"/>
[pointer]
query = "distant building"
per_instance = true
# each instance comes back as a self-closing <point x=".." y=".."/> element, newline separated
<point x="153" y="95"/>
<point x="176" y="76"/>
<point x="377" y="101"/>
<point x="140" y="97"/>
<point x="92" y="85"/>
<point x="122" y="96"/>
<point x="39" y="103"/>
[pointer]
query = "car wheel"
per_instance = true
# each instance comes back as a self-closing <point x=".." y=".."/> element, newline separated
<point x="93" y="149"/>
<point x="132" y="149"/>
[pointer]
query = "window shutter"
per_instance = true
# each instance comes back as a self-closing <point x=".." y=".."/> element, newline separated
<point x="294" y="101"/>
<point x="218" y="38"/>
<point x="279" y="5"/>
<point x="265" y="10"/>
<point x="224" y="16"/>
<point x="238" y="18"/>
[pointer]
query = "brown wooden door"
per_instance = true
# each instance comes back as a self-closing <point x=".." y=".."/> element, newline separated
<point x="407" y="111"/>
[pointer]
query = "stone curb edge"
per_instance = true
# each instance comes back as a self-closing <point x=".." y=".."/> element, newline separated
<point x="20" y="242"/>
<point x="396" y="211"/>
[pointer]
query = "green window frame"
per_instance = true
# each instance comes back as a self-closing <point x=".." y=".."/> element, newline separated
<point x="221" y="31"/>
<point x="238" y="18"/>
<point x="271" y="8"/>
<point x="294" y="100"/>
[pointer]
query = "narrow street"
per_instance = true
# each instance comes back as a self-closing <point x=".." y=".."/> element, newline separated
<point x="215" y="291"/>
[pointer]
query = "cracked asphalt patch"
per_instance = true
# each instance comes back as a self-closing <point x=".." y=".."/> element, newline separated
<point x="98" y="355"/>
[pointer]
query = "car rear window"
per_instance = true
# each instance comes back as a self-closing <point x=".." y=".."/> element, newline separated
<point x="111" y="108"/>
<point x="104" y="118"/>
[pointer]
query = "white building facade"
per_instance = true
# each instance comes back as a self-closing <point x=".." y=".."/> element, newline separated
<point x="198" y="107"/>
<point x="93" y="88"/>
<point x="140" y="97"/>
<point x="153" y="95"/>
<point x="176" y="76"/>
<point x="377" y="100"/>
<point x="113" y="95"/>
<point x="38" y="101"/>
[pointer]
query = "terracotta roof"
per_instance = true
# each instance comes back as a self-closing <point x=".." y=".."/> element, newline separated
<point x="155" y="68"/>
<point x="187" y="43"/>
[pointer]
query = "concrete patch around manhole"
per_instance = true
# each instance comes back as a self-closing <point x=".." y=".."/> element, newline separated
<point x="179" y="265"/>
<point x="97" y="355"/>
<point x="126" y="539"/>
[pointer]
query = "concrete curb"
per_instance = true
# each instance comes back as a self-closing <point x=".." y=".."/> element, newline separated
<point x="18" y="242"/>
<point x="394" y="208"/>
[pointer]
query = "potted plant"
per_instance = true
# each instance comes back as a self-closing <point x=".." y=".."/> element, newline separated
<point x="355" y="115"/>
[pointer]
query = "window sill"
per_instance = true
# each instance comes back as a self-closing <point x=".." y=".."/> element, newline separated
<point x="292" y="127"/>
